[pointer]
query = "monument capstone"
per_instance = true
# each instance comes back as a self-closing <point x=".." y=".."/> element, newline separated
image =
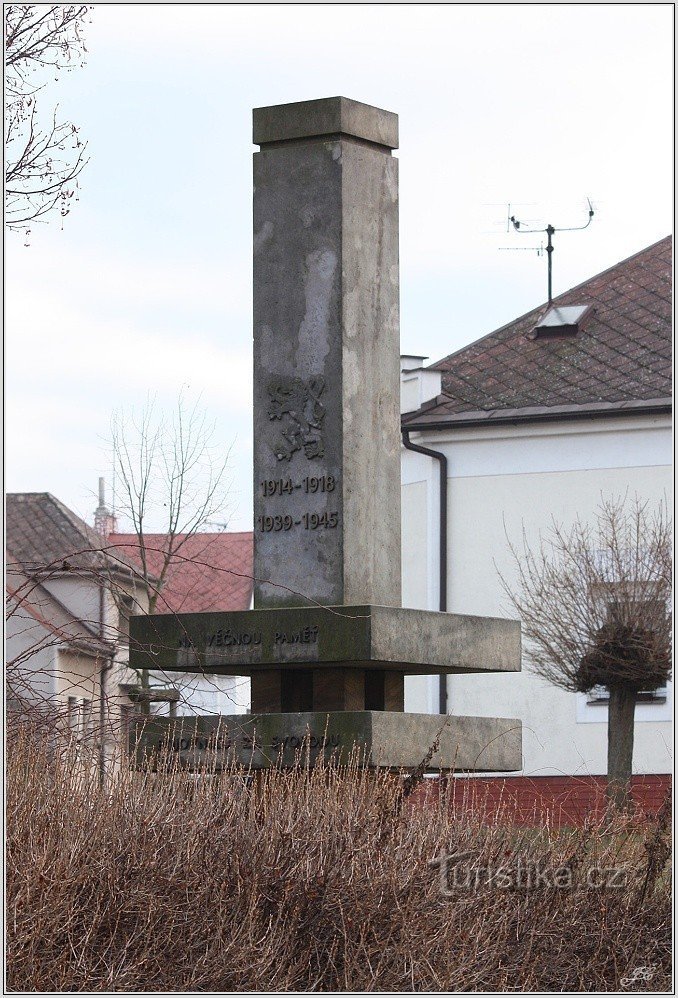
<point x="328" y="645"/>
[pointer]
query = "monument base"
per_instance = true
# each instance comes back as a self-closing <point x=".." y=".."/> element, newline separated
<point x="244" y="642"/>
<point x="386" y="739"/>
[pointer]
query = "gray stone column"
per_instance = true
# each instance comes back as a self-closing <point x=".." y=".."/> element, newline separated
<point x="326" y="349"/>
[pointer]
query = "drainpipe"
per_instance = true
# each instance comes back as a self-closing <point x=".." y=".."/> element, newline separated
<point x="442" y="559"/>
<point x="105" y="665"/>
<point x="103" y="669"/>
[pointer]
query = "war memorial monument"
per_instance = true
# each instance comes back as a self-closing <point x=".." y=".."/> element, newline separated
<point x="328" y="645"/>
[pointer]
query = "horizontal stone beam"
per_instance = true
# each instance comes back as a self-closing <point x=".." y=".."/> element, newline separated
<point x="414" y="642"/>
<point x="380" y="739"/>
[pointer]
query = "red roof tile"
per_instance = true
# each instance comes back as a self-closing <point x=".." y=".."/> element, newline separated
<point x="621" y="355"/>
<point x="209" y="571"/>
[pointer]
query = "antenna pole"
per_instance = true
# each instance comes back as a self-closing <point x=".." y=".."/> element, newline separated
<point x="549" y="249"/>
<point x="550" y="230"/>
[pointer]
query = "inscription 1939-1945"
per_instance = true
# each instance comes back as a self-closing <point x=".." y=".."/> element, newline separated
<point x="309" y="521"/>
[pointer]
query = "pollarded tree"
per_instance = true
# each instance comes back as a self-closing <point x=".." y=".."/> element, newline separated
<point x="43" y="156"/>
<point x="594" y="604"/>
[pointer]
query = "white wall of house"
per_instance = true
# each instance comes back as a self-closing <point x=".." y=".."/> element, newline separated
<point x="79" y="593"/>
<point x="205" y="694"/>
<point x="502" y="480"/>
<point x="32" y="677"/>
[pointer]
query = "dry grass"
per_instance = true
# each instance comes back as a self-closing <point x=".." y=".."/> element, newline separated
<point x="307" y="882"/>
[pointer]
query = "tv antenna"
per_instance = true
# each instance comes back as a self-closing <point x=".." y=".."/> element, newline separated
<point x="550" y="231"/>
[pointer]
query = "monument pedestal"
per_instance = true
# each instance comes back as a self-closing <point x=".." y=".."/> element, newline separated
<point x="372" y="738"/>
<point x="338" y="668"/>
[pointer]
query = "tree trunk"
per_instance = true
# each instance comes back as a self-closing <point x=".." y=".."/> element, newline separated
<point x="620" y="746"/>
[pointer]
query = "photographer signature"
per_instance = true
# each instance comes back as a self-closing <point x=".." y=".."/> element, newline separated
<point x="639" y="974"/>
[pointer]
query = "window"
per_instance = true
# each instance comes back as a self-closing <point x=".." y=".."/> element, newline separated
<point x="629" y="608"/>
<point x="86" y="723"/>
<point x="125" y="611"/>
<point x="73" y="716"/>
<point x="599" y="696"/>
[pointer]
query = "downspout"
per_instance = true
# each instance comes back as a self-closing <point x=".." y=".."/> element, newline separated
<point x="102" y="689"/>
<point x="105" y="666"/>
<point x="442" y="561"/>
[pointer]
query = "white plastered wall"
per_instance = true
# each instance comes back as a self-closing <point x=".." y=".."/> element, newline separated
<point x="30" y="653"/>
<point x="501" y="480"/>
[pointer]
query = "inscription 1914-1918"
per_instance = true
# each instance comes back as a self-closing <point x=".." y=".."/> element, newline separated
<point x="310" y="485"/>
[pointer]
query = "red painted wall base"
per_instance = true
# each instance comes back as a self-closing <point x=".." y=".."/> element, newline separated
<point x="558" y="800"/>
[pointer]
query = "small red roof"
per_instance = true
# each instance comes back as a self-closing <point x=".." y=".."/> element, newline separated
<point x="208" y="572"/>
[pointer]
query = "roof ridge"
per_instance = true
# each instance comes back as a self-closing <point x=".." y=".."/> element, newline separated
<point x="197" y="533"/>
<point x="88" y="533"/>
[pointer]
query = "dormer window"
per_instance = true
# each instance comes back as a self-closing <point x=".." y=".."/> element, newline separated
<point x="565" y="320"/>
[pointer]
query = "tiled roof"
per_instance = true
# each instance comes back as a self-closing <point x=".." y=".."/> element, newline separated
<point x="209" y="572"/>
<point x="43" y="534"/>
<point x="621" y="356"/>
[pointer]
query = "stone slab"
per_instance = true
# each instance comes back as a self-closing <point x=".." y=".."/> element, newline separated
<point x="326" y="116"/>
<point x="381" y="739"/>
<point x="239" y="643"/>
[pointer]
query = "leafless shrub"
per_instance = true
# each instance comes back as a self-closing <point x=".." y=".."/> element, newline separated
<point x="305" y="881"/>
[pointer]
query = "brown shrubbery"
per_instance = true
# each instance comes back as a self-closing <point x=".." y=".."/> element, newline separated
<point x="317" y="882"/>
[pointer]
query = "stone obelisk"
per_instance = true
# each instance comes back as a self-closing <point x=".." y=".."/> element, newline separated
<point x="327" y="645"/>
<point x="326" y="355"/>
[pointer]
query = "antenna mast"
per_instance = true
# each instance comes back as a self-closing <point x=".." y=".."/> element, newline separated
<point x="550" y="231"/>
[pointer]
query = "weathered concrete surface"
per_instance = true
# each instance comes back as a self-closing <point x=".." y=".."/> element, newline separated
<point x="326" y="116"/>
<point x="392" y="740"/>
<point x="326" y="348"/>
<point x="414" y="642"/>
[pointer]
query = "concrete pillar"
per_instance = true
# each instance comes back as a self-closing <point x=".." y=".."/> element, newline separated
<point x="326" y="348"/>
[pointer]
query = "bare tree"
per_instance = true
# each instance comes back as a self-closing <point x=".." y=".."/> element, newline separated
<point x="170" y="479"/>
<point x="594" y="602"/>
<point x="44" y="156"/>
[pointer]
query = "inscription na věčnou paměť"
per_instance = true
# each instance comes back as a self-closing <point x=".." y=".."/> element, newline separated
<point x="228" y="638"/>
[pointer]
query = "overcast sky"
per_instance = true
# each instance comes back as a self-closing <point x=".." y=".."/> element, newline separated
<point x="147" y="287"/>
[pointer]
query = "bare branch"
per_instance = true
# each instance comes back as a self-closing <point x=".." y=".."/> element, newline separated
<point x="42" y="161"/>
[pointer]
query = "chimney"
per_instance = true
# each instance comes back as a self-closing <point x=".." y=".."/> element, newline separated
<point x="104" y="521"/>
<point x="418" y="384"/>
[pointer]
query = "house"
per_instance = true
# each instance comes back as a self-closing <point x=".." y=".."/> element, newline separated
<point x="71" y="589"/>
<point x="66" y="597"/>
<point x="534" y="422"/>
